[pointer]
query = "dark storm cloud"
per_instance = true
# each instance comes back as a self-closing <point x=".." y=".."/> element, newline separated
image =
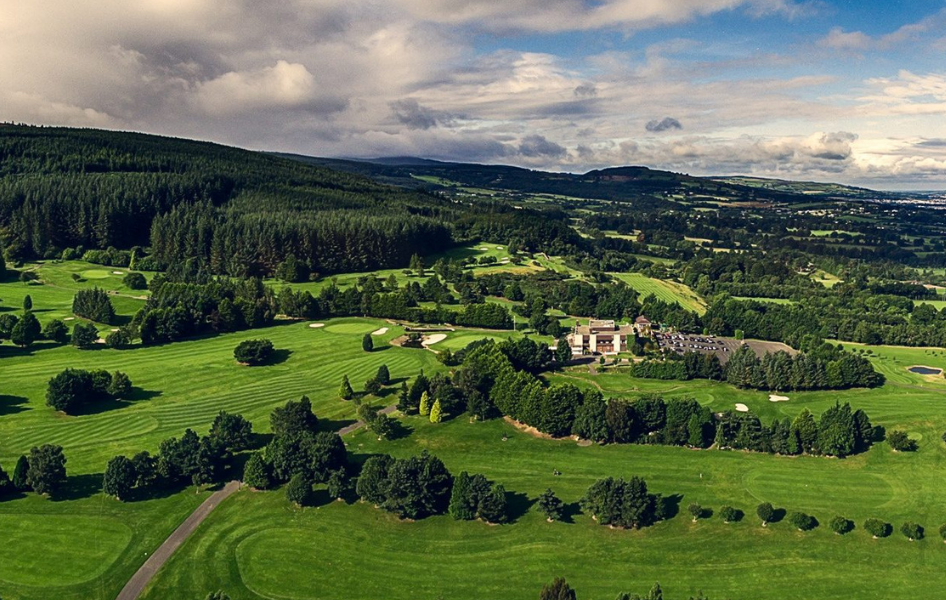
<point x="414" y="115"/>
<point x="533" y="146"/>
<point x="664" y="124"/>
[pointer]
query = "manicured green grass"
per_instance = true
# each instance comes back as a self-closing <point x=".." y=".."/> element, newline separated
<point x="668" y="291"/>
<point x="256" y="545"/>
<point x="185" y="384"/>
<point x="937" y="304"/>
<point x="84" y="547"/>
<point x="826" y="279"/>
<point x="52" y="294"/>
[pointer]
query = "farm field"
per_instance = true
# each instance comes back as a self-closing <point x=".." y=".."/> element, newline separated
<point x="259" y="547"/>
<point x="668" y="291"/>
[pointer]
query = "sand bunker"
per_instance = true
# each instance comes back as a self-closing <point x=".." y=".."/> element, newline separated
<point x="484" y="248"/>
<point x="69" y="319"/>
<point x="117" y="273"/>
<point x="381" y="331"/>
<point x="742" y="408"/>
<point x="777" y="398"/>
<point x="316" y="325"/>
<point x="433" y="339"/>
<point x="499" y="247"/>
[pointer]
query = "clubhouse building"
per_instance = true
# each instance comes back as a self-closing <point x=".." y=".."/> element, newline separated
<point x="600" y="337"/>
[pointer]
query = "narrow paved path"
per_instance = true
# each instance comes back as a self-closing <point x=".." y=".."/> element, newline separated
<point x="143" y="576"/>
<point x="359" y="424"/>
<point x="140" y="579"/>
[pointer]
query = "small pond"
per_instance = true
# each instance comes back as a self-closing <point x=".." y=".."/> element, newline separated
<point x="925" y="370"/>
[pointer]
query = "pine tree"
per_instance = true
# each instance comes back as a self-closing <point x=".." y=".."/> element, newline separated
<point x="462" y="505"/>
<point x="20" y="471"/>
<point x="424" y="404"/>
<point x="345" y="392"/>
<point x="367" y="344"/>
<point x="403" y="401"/>
<point x="299" y="490"/>
<point x="256" y="472"/>
<point x="550" y="504"/>
<point x="492" y="507"/>
<point x="27" y="303"/>
<point x="557" y="590"/>
<point x="436" y="413"/>
<point x="383" y="376"/>
<point x="337" y="484"/>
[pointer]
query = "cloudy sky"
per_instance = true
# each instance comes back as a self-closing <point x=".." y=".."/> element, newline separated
<point x="838" y="90"/>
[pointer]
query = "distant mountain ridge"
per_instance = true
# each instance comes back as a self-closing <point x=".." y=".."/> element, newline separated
<point x="613" y="183"/>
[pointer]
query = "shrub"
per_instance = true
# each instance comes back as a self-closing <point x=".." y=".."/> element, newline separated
<point x="84" y="335"/>
<point x="118" y="339"/>
<point x="696" y="511"/>
<point x="942" y="531"/>
<point x="367" y="344"/>
<point x="253" y="352"/>
<point x="729" y="514"/>
<point x="765" y="512"/>
<point x="135" y="281"/>
<point x="899" y="441"/>
<point x="56" y="331"/>
<point x="840" y="525"/>
<point x="802" y="521"/>
<point x="73" y="388"/>
<point x="877" y="528"/>
<point x="912" y="530"/>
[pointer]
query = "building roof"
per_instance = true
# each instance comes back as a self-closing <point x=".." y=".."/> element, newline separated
<point x="642" y="320"/>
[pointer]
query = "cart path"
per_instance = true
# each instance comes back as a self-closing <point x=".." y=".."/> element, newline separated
<point x="143" y="576"/>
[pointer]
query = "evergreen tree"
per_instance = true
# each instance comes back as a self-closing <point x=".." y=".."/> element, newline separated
<point x="806" y="430"/>
<point x="695" y="510"/>
<point x="56" y="331"/>
<point x="84" y="335"/>
<point x="550" y="505"/>
<point x="337" y="484"/>
<point x="557" y="590"/>
<point x="93" y="304"/>
<point x="27" y="303"/>
<point x="462" y="503"/>
<point x="765" y="512"/>
<point x="563" y="351"/>
<point x="345" y="391"/>
<point x="120" y="385"/>
<point x="47" y="469"/>
<point x="19" y="479"/>
<point x="233" y="432"/>
<point x="4" y="481"/>
<point x="493" y="507"/>
<point x="299" y="490"/>
<point x="26" y="331"/>
<point x="256" y="472"/>
<point x="912" y="531"/>
<point x="383" y="376"/>
<point x="367" y="344"/>
<point x="436" y="413"/>
<point x="119" y="478"/>
<point x="403" y="401"/>
<point x="424" y="408"/>
<point x="840" y="525"/>
<point x="420" y="385"/>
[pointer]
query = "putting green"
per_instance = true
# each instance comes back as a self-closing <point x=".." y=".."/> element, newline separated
<point x="95" y="274"/>
<point x="39" y="550"/>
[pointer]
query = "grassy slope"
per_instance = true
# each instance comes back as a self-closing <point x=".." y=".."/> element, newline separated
<point x="668" y="291"/>
<point x="257" y="546"/>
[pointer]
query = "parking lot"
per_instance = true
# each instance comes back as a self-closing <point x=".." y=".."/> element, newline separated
<point x="722" y="347"/>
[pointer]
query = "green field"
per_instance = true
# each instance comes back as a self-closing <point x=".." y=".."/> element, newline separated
<point x="256" y="546"/>
<point x="668" y="291"/>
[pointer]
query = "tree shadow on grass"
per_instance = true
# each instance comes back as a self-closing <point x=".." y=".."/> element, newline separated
<point x="97" y="407"/>
<point x="10" y="405"/>
<point x="78" y="487"/>
<point x="399" y="430"/>
<point x="778" y="515"/>
<point x="569" y="512"/>
<point x="517" y="505"/>
<point x="397" y="381"/>
<point x="670" y="505"/>
<point x="278" y="357"/>
<point x="333" y="425"/>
